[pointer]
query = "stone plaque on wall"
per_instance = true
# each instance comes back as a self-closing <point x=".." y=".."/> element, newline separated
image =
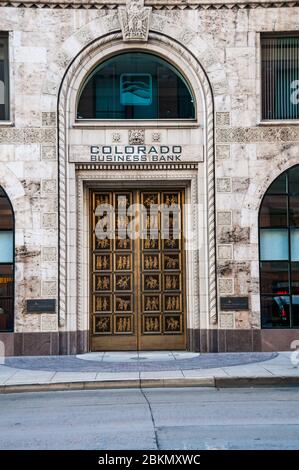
<point x="41" y="306"/>
<point x="234" y="303"/>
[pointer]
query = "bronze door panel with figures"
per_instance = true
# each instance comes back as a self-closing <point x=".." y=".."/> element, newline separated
<point x="137" y="291"/>
<point x="113" y="310"/>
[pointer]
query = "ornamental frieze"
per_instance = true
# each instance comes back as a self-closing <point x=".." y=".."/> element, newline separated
<point x="257" y="134"/>
<point x="28" y="136"/>
<point x="156" y="5"/>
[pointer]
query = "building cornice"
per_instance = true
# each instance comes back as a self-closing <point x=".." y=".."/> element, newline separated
<point x="155" y="4"/>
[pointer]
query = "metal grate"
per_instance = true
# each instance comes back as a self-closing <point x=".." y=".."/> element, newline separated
<point x="280" y="77"/>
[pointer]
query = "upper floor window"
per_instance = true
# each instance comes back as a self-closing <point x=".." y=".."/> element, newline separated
<point x="135" y="85"/>
<point x="280" y="76"/>
<point x="279" y="252"/>
<point x="6" y="263"/>
<point x="4" y="109"/>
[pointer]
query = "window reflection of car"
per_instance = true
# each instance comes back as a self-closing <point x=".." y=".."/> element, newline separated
<point x="280" y="308"/>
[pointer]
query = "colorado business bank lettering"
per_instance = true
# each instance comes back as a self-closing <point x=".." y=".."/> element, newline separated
<point x="135" y="153"/>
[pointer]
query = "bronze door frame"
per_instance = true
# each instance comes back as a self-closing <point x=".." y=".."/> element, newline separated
<point x="168" y="330"/>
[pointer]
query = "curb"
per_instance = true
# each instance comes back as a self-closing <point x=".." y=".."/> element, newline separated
<point x="282" y="381"/>
<point x="109" y="384"/>
<point x="216" y="382"/>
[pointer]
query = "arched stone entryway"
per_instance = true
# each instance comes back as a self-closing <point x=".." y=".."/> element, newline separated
<point x="183" y="49"/>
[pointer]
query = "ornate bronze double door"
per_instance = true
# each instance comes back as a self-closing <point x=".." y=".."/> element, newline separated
<point x="137" y="279"/>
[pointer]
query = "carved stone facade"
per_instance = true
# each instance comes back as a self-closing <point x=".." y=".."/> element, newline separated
<point x="232" y="157"/>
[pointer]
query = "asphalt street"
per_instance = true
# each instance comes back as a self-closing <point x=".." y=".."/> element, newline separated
<point x="186" y="418"/>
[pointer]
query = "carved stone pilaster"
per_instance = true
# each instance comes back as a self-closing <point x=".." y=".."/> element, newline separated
<point x="135" y="20"/>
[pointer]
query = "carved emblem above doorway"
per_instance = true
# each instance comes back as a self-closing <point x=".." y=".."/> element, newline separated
<point x="134" y="20"/>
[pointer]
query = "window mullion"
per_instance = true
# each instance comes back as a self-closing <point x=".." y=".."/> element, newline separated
<point x="290" y="254"/>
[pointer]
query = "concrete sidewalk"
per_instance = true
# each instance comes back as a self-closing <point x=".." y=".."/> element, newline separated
<point x="147" y="369"/>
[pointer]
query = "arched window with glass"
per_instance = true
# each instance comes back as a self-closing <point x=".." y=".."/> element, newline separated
<point x="6" y="263"/>
<point x="279" y="252"/>
<point x="135" y="85"/>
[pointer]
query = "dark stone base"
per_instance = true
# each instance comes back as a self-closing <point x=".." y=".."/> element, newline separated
<point x="72" y="342"/>
<point x="44" y="344"/>
<point x="279" y="340"/>
<point x="242" y="340"/>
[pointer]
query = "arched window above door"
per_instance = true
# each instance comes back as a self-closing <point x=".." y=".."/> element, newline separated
<point x="279" y="252"/>
<point x="6" y="263"/>
<point x="135" y="85"/>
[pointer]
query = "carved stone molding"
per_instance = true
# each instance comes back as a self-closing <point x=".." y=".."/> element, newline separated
<point x="13" y="186"/>
<point x="260" y="183"/>
<point x="156" y="5"/>
<point x="134" y="20"/>
<point x="140" y="167"/>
